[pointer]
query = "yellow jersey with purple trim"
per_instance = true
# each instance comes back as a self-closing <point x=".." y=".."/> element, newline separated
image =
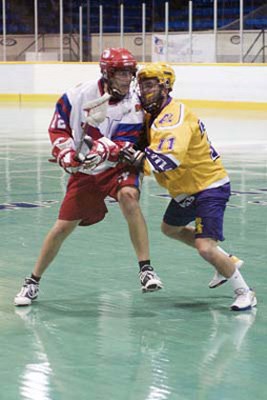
<point x="180" y="154"/>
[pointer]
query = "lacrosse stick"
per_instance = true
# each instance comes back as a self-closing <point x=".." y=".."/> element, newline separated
<point x="96" y="110"/>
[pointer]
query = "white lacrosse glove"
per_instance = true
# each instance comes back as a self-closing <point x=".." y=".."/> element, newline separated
<point x="101" y="150"/>
<point x="68" y="160"/>
<point x="64" y="152"/>
<point x="96" y="110"/>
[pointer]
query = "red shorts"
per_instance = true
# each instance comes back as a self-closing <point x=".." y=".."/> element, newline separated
<point x="85" y="195"/>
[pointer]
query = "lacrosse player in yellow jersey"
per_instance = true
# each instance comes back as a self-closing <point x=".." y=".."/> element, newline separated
<point x="183" y="161"/>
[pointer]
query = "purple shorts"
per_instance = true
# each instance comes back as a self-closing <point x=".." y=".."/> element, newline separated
<point x="206" y="208"/>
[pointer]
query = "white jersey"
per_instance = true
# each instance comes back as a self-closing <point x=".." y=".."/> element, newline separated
<point x="123" y="122"/>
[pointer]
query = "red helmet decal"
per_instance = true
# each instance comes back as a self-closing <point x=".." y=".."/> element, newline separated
<point x="114" y="58"/>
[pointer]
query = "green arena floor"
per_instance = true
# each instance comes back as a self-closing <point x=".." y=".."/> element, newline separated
<point x="92" y="334"/>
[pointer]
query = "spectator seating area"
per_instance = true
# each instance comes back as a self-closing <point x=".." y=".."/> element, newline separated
<point x="20" y="15"/>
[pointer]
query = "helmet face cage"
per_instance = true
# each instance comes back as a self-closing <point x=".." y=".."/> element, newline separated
<point x="112" y="60"/>
<point x="165" y="76"/>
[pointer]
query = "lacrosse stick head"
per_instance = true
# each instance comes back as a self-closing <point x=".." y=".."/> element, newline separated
<point x="118" y="68"/>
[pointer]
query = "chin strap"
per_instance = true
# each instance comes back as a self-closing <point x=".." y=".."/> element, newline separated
<point x="115" y="94"/>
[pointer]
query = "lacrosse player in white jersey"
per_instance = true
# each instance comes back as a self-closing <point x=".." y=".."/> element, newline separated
<point x="91" y="124"/>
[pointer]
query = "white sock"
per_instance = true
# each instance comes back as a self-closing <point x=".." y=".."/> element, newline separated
<point x="237" y="281"/>
<point x="223" y="251"/>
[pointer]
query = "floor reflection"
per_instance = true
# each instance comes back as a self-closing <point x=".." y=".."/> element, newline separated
<point x="92" y="335"/>
<point x="225" y="349"/>
<point x="35" y="379"/>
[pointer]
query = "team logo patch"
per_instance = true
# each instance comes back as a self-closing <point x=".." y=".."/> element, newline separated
<point x="138" y="107"/>
<point x="187" y="202"/>
<point x="166" y="118"/>
<point x="199" y="226"/>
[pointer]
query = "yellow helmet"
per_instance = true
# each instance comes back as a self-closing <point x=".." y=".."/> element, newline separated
<point x="163" y="72"/>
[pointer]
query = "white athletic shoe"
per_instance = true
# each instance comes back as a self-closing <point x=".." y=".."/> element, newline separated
<point x="219" y="279"/>
<point x="150" y="282"/>
<point x="28" y="293"/>
<point x="244" y="300"/>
